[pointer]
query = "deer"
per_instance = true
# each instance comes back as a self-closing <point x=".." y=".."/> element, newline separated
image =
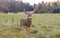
<point x="26" y="22"/>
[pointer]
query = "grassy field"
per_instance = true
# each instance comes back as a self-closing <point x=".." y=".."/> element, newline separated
<point x="43" y="26"/>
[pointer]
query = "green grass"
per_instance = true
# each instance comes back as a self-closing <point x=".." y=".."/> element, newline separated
<point x="43" y="26"/>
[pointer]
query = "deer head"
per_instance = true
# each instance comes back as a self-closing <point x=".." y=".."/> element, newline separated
<point x="29" y="15"/>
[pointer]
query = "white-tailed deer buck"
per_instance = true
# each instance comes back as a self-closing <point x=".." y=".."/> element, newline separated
<point x="26" y="22"/>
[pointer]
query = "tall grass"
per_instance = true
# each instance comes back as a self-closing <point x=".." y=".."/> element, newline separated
<point x="43" y="26"/>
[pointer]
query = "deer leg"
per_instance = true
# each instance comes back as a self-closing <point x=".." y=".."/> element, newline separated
<point x="21" y="24"/>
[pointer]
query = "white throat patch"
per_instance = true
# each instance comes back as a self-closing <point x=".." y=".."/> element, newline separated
<point x="30" y="17"/>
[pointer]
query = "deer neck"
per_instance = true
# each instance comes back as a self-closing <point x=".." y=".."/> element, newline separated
<point x="29" y="19"/>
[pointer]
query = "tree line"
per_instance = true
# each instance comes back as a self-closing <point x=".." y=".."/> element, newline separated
<point x="48" y="7"/>
<point x="16" y="7"/>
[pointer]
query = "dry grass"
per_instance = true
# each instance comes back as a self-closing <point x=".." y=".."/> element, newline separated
<point x="43" y="26"/>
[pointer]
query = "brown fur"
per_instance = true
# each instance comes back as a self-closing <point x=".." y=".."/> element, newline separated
<point x="26" y="22"/>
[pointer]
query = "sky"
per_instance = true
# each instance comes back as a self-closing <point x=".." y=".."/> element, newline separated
<point x="36" y="1"/>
